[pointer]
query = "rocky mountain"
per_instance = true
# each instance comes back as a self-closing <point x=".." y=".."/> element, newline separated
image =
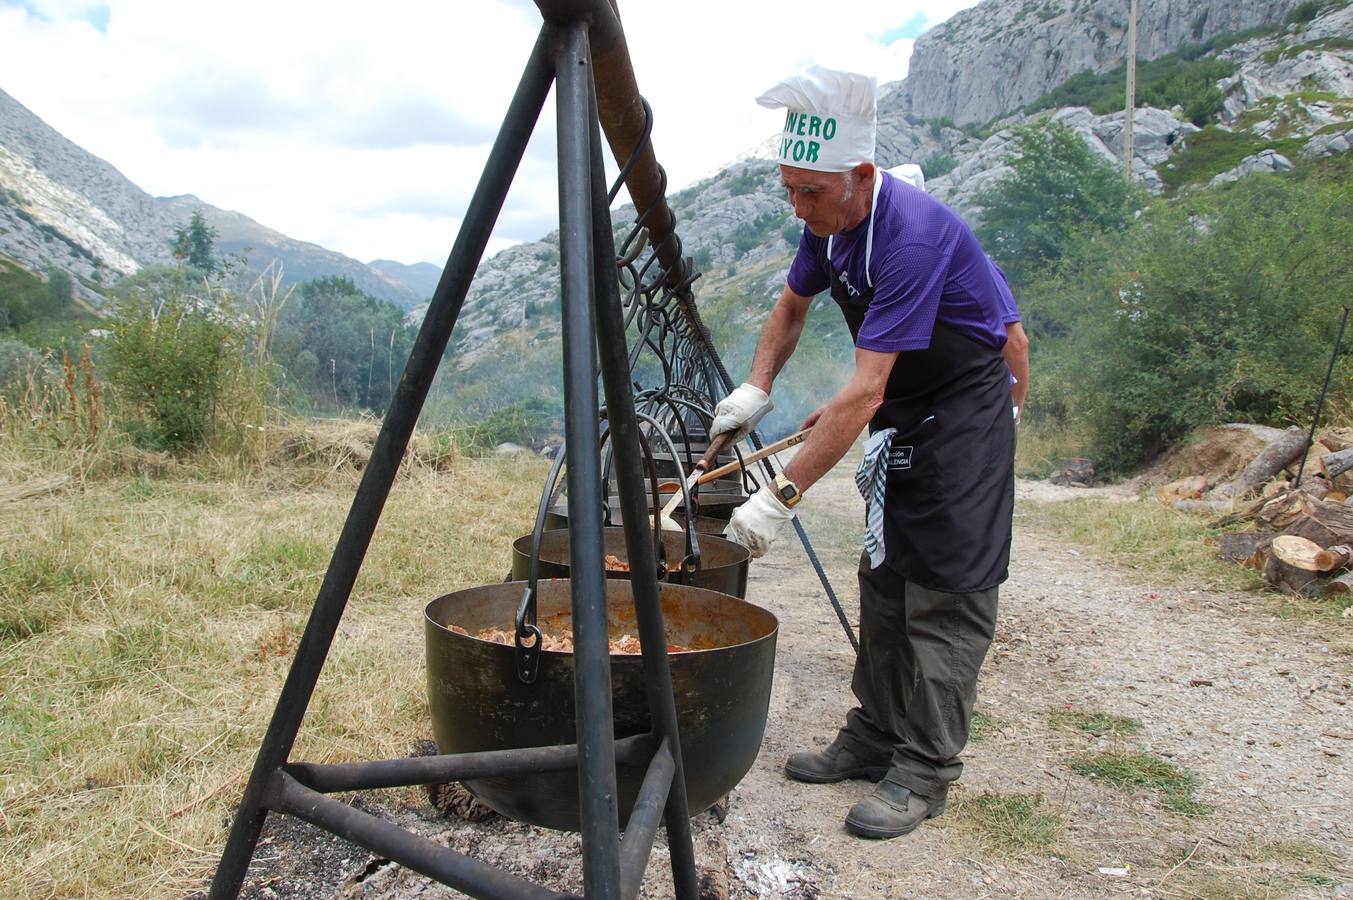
<point x="63" y="207"/>
<point x="988" y="60"/>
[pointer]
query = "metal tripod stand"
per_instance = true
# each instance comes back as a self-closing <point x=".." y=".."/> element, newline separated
<point x="593" y="328"/>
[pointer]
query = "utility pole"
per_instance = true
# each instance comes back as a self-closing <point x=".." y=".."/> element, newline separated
<point x="1131" y="92"/>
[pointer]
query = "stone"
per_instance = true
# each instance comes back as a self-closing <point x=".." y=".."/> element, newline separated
<point x="1263" y="161"/>
<point x="1327" y="145"/>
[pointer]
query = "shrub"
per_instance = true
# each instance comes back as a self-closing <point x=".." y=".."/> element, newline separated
<point x="939" y="163"/>
<point x="169" y="360"/>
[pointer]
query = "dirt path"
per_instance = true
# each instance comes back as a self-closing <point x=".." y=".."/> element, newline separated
<point x="1257" y="706"/>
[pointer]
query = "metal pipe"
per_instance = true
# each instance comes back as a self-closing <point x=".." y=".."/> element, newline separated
<point x="418" y="853"/>
<point x="600" y="821"/>
<point x="638" y="539"/>
<point x="637" y="845"/>
<point x="388" y="773"/>
<point x="381" y="469"/>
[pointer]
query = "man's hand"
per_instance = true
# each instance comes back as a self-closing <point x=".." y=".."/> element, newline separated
<point x="740" y="411"/>
<point x="756" y="523"/>
<point x="812" y="418"/>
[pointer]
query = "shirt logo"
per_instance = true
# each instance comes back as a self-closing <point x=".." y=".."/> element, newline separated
<point x="845" y="281"/>
<point x="899" y="457"/>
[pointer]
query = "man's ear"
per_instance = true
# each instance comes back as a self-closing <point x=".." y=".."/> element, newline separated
<point x="865" y="172"/>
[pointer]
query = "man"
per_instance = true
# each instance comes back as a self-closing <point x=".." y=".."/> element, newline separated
<point x="925" y="312"/>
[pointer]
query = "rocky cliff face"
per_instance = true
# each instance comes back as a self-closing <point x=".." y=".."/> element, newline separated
<point x="988" y="60"/>
<point x="62" y="207"/>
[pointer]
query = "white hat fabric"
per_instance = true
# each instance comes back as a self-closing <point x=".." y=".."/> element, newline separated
<point x="831" y="121"/>
<point x="910" y="173"/>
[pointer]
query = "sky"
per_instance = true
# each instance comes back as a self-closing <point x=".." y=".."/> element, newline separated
<point x="363" y="127"/>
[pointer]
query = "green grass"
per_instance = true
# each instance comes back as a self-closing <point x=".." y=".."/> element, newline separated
<point x="1012" y="821"/>
<point x="1329" y="44"/>
<point x="146" y="625"/>
<point x="1169" y="544"/>
<point x="1213" y="150"/>
<point x="1040" y="444"/>
<point x="982" y="726"/>
<point x="1093" y="722"/>
<point x="1173" y="786"/>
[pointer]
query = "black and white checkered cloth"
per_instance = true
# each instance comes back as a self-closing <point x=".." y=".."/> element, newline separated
<point x="872" y="480"/>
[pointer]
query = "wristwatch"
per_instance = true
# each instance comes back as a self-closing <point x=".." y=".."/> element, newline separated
<point x="789" y="492"/>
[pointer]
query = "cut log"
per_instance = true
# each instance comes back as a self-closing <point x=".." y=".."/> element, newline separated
<point x="1337" y="463"/>
<point x="1342" y="584"/>
<point x="1291" y="563"/>
<point x="1190" y="488"/>
<point x="1316" y="485"/>
<point x="1249" y="548"/>
<point x="1314" y="454"/>
<point x="1207" y="507"/>
<point x="1332" y="559"/>
<point x="1268" y="463"/>
<point x="1337" y="438"/>
<point x="1326" y="522"/>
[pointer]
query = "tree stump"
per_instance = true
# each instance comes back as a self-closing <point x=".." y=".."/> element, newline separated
<point x="1291" y="564"/>
<point x="1074" y="471"/>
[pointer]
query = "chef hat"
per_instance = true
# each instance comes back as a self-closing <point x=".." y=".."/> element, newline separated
<point x="830" y="122"/>
<point x="910" y="173"/>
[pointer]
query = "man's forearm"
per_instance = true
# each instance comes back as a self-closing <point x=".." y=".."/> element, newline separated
<point x="1016" y="354"/>
<point x="779" y="337"/>
<point x="833" y="434"/>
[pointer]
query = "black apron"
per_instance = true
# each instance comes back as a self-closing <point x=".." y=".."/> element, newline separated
<point x="951" y="482"/>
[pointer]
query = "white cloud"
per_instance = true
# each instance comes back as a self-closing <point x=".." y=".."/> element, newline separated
<point x="364" y="127"/>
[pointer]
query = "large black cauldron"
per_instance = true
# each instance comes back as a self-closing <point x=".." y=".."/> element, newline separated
<point x="721" y="689"/>
<point x="723" y="563"/>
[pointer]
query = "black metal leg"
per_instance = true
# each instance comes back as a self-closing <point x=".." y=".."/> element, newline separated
<point x="380" y="472"/>
<point x="591" y="652"/>
<point x="638" y="536"/>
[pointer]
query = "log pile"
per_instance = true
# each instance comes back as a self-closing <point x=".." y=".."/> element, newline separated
<point x="1299" y="536"/>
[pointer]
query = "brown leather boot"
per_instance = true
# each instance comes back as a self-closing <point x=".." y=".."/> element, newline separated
<point x="836" y="763"/>
<point x="892" y="811"/>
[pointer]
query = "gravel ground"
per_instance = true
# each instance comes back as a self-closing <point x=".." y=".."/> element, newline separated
<point x="1233" y="688"/>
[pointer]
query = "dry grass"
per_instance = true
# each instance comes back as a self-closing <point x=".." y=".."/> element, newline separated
<point x="147" y="621"/>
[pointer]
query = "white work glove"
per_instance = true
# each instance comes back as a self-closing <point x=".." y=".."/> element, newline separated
<point x="740" y="411"/>
<point x="756" y="523"/>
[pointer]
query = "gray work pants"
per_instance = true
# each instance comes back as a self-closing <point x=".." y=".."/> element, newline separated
<point x="916" y="677"/>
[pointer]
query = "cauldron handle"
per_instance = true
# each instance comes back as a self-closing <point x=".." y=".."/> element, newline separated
<point x="692" y="545"/>
<point x="528" y="654"/>
<point x="659" y="549"/>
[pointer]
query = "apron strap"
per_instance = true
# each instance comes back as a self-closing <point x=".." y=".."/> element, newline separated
<point x="869" y="235"/>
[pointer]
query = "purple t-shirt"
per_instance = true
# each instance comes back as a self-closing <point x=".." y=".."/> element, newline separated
<point x="1011" y="313"/>
<point x="926" y="266"/>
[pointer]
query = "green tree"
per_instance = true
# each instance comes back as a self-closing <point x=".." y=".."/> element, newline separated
<point x="195" y="242"/>
<point x="342" y="348"/>
<point x="1059" y="192"/>
<point x="1219" y="307"/>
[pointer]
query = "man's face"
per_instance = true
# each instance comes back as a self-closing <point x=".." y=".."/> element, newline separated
<point x="827" y="202"/>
